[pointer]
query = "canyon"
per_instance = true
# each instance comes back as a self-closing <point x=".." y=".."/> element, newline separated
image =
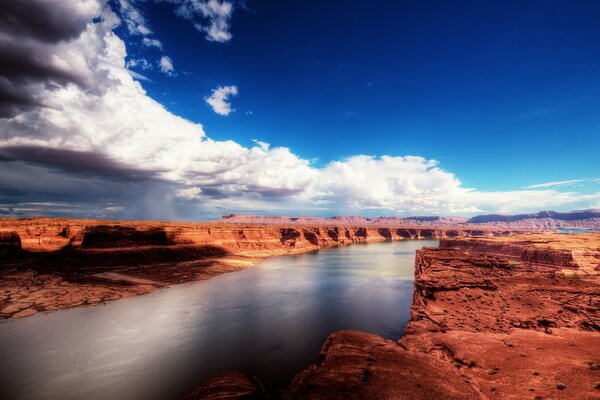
<point x="48" y="264"/>
<point x="514" y="317"/>
<point x="496" y="313"/>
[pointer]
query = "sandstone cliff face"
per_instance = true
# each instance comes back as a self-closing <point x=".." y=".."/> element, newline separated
<point x="484" y="327"/>
<point x="572" y="254"/>
<point x="46" y="234"/>
<point x="49" y="264"/>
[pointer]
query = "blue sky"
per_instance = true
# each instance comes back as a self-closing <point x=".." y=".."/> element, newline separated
<point x="504" y="94"/>
<point x="354" y="100"/>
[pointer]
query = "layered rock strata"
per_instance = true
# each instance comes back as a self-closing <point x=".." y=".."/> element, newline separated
<point x="48" y="264"/>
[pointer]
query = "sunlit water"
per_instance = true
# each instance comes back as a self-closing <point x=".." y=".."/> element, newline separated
<point x="269" y="320"/>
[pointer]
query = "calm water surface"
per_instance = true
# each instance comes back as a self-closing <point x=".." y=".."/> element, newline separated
<point x="269" y="320"/>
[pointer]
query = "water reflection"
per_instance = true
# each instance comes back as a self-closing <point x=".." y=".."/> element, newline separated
<point x="269" y="320"/>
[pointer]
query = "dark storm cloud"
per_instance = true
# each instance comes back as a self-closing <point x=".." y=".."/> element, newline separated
<point x="28" y="189"/>
<point x="15" y="97"/>
<point x="79" y="162"/>
<point x="43" y="20"/>
<point x="31" y="62"/>
<point x="29" y="34"/>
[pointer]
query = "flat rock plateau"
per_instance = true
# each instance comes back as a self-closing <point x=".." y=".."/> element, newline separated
<point x="546" y="220"/>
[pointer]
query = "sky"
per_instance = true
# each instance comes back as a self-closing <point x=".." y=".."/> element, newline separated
<point x="191" y="109"/>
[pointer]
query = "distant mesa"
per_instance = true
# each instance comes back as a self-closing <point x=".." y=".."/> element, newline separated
<point x="579" y="219"/>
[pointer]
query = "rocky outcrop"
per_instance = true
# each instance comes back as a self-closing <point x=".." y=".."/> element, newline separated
<point x="481" y="327"/>
<point x="357" y="365"/>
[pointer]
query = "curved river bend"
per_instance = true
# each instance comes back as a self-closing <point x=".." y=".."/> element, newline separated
<point x="269" y="321"/>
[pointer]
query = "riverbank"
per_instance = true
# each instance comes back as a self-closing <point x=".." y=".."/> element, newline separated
<point x="49" y="264"/>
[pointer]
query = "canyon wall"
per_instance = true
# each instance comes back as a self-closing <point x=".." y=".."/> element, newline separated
<point x="47" y="234"/>
<point x="48" y="263"/>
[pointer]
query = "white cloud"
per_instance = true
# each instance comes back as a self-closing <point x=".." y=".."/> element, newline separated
<point x="556" y="183"/>
<point x="219" y="99"/>
<point x="217" y="13"/>
<point x="190" y="193"/>
<point x="139" y="63"/>
<point x="166" y="66"/>
<point x="148" y="42"/>
<point x="114" y="209"/>
<point x="134" y="19"/>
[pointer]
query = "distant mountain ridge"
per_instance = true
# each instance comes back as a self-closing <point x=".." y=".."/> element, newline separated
<point x="578" y="219"/>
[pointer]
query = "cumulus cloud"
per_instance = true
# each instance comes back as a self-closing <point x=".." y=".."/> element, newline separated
<point x="219" y="99"/>
<point x="166" y="65"/>
<point x="191" y="193"/>
<point x="80" y="136"/>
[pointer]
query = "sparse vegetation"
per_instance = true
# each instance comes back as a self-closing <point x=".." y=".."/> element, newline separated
<point x="561" y="386"/>
<point x="535" y="373"/>
<point x="596" y="386"/>
<point x="471" y="363"/>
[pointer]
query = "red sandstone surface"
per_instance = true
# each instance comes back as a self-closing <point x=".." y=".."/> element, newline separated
<point x="48" y="264"/>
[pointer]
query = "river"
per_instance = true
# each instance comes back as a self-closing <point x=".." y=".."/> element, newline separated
<point x="269" y="320"/>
